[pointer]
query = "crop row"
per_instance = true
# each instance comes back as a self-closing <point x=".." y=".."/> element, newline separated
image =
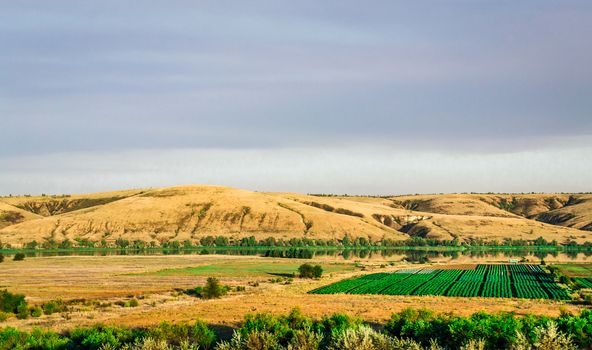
<point x="439" y="284"/>
<point x="506" y="281"/>
<point x="584" y="282"/>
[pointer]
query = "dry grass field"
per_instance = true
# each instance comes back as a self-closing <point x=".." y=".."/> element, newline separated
<point x="191" y="212"/>
<point x="97" y="284"/>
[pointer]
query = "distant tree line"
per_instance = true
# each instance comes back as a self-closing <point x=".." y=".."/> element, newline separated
<point x="346" y="242"/>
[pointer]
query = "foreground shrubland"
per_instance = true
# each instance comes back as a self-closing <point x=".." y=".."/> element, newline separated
<point x="409" y="329"/>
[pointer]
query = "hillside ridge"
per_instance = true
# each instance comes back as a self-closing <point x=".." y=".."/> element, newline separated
<point x="191" y="212"/>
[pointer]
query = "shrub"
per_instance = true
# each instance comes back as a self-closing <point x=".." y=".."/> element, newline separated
<point x="310" y="271"/>
<point x="36" y="311"/>
<point x="548" y="337"/>
<point x="361" y="338"/>
<point x="133" y="302"/>
<point x="19" y="257"/>
<point x="10" y="302"/>
<point x="1" y="257"/>
<point x="4" y="316"/>
<point x="213" y="289"/>
<point x="101" y="336"/>
<point x="474" y="344"/>
<point x="260" y="340"/>
<point x="317" y="271"/>
<point x="22" y="311"/>
<point x="11" y="338"/>
<point x="142" y="344"/>
<point x="197" y="333"/>
<point x="54" y="306"/>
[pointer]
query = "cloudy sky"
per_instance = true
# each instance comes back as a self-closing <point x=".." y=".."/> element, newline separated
<point x="313" y="96"/>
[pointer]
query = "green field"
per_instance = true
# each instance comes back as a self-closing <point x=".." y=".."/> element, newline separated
<point x="575" y="270"/>
<point x="499" y="281"/>
<point x="262" y="268"/>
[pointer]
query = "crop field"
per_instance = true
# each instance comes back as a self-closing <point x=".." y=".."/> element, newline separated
<point x="584" y="282"/>
<point x="497" y="281"/>
<point x="575" y="269"/>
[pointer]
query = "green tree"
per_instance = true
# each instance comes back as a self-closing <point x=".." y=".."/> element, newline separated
<point x="310" y="271"/>
<point x="222" y="241"/>
<point x="317" y="271"/>
<point x="22" y="311"/>
<point x="9" y="302"/>
<point x="19" y="257"/>
<point x="65" y="244"/>
<point x="213" y="289"/>
<point x="36" y="311"/>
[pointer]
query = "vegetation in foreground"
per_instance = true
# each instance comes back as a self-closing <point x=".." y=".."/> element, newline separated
<point x="409" y="329"/>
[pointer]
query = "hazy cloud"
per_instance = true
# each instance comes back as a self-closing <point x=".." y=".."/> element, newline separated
<point x="465" y="78"/>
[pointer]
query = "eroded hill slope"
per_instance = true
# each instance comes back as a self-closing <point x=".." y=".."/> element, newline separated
<point x="191" y="212"/>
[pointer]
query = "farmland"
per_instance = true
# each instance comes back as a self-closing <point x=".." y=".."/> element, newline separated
<point x="155" y="281"/>
<point x="485" y="280"/>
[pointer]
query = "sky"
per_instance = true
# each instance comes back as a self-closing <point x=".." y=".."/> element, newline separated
<point x="379" y="97"/>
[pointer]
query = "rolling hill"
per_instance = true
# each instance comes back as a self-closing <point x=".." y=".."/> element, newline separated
<point x="191" y="212"/>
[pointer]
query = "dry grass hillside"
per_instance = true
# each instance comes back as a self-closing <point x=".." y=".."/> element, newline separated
<point x="568" y="210"/>
<point x="11" y="215"/>
<point x="191" y="212"/>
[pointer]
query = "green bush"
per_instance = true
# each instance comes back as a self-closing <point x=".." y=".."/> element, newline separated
<point x="22" y="311"/>
<point x="213" y="289"/>
<point x="410" y="330"/>
<point x="133" y="302"/>
<point x="36" y="311"/>
<point x="10" y="302"/>
<point x="19" y="257"/>
<point x="310" y="271"/>
<point x="11" y="338"/>
<point x="4" y="316"/>
<point x="54" y="306"/>
<point x="196" y="333"/>
<point x="102" y="336"/>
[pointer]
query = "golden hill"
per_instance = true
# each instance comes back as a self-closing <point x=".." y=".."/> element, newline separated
<point x="191" y="212"/>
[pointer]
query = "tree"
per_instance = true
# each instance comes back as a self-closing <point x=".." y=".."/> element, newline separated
<point x="222" y="241"/>
<point x="213" y="289"/>
<point x="207" y="241"/>
<point x="310" y="271"/>
<point x="22" y="311"/>
<point x="121" y="243"/>
<point x="19" y="257"/>
<point x="317" y="271"/>
<point x="346" y="241"/>
<point x="65" y="244"/>
<point x="10" y="302"/>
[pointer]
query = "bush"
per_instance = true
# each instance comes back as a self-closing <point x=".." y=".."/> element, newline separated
<point x="22" y="311"/>
<point x="1" y="257"/>
<point x="54" y="306"/>
<point x="548" y="337"/>
<point x="197" y="333"/>
<point x="310" y="271"/>
<point x="98" y="337"/>
<point x="4" y="316"/>
<point x="36" y="311"/>
<point x="11" y="338"/>
<point x="10" y="302"/>
<point x="19" y="257"/>
<point x="133" y="302"/>
<point x="213" y="289"/>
